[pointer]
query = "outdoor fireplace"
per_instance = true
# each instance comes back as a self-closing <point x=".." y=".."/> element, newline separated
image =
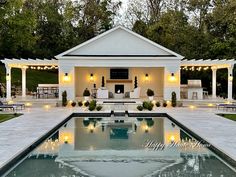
<point x="119" y="88"/>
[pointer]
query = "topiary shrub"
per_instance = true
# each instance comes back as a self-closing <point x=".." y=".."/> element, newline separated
<point x="164" y="104"/>
<point x="173" y="99"/>
<point x="73" y="104"/>
<point x="86" y="92"/>
<point x="158" y="104"/>
<point x="103" y="81"/>
<point x="99" y="108"/>
<point x="148" y="105"/>
<point x="135" y="82"/>
<point x="80" y="103"/>
<point x="91" y="107"/>
<point x="93" y="102"/>
<point x="140" y="108"/>
<point x="64" y="98"/>
<point x="150" y="92"/>
<point x="86" y="104"/>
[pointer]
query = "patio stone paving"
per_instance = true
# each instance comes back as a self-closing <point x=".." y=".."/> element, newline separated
<point x="19" y="133"/>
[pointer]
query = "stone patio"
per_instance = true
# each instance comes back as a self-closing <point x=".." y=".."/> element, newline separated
<point x="19" y="133"/>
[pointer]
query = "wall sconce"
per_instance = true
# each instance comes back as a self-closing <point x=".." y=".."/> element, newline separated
<point x="91" y="77"/>
<point x="146" y="77"/>
<point x="231" y="77"/>
<point x="8" y="77"/>
<point x="172" y="77"/>
<point x="66" y="77"/>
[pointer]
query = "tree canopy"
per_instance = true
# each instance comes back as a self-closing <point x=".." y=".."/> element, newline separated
<point x="44" y="28"/>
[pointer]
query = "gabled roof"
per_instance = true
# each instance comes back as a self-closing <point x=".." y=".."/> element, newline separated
<point x="119" y="42"/>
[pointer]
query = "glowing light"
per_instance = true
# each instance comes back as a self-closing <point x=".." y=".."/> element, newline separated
<point x="28" y="104"/>
<point x="146" y="77"/>
<point x="66" y="139"/>
<point x="172" y="77"/>
<point x="146" y="129"/>
<point x="8" y="77"/>
<point x="91" y="128"/>
<point x="192" y="107"/>
<point x="172" y="139"/>
<point x="47" y="106"/>
<point x="231" y="77"/>
<point x="210" y="105"/>
<point x="10" y="102"/>
<point x="91" y="77"/>
<point x="66" y="77"/>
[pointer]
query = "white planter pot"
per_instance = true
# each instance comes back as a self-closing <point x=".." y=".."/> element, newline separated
<point x="150" y="98"/>
<point x="86" y="98"/>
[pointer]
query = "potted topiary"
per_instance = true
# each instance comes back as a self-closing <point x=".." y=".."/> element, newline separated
<point x="103" y="81"/>
<point x="99" y="108"/>
<point x="150" y="94"/>
<point x="158" y="104"/>
<point x="80" y="103"/>
<point x="135" y="82"/>
<point x="73" y="104"/>
<point x="86" y="104"/>
<point x="173" y="99"/>
<point x="86" y="94"/>
<point x="164" y="104"/>
<point x="140" y="108"/>
<point x="64" y="98"/>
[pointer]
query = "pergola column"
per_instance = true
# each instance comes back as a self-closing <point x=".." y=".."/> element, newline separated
<point x="23" y="82"/>
<point x="214" y="70"/>
<point x="230" y="83"/>
<point x="8" y="82"/>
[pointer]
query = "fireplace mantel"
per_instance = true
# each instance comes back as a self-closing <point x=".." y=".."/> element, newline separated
<point x="119" y="81"/>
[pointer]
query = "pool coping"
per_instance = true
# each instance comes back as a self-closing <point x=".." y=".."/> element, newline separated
<point x="17" y="158"/>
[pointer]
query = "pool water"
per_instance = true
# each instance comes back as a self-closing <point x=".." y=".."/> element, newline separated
<point x="123" y="147"/>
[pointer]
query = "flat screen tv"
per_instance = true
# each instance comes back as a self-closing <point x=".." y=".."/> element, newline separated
<point x="119" y="73"/>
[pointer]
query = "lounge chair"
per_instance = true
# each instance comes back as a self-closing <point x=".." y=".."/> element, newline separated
<point x="12" y="106"/>
<point x="6" y="106"/>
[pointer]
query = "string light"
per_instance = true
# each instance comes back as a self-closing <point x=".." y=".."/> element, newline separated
<point x="43" y="67"/>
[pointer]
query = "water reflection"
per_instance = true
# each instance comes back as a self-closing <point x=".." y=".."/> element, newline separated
<point x="121" y="147"/>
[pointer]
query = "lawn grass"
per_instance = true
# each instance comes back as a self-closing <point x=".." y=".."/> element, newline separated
<point x="229" y="116"/>
<point x="33" y="77"/>
<point x="6" y="117"/>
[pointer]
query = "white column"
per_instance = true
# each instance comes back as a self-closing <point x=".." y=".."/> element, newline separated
<point x="230" y="83"/>
<point x="214" y="82"/>
<point x="8" y="82"/>
<point x="23" y="82"/>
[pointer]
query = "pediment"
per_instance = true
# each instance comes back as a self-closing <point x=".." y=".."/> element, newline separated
<point x="122" y="42"/>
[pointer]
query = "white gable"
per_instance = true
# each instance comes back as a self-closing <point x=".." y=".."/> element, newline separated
<point x="119" y="42"/>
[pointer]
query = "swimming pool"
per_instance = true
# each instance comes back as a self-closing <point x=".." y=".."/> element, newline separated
<point x="121" y="147"/>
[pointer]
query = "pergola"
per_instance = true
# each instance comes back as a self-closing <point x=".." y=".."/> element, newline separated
<point x="24" y="64"/>
<point x="214" y="64"/>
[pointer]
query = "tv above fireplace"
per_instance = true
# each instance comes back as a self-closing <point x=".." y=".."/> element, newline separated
<point x="119" y="73"/>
